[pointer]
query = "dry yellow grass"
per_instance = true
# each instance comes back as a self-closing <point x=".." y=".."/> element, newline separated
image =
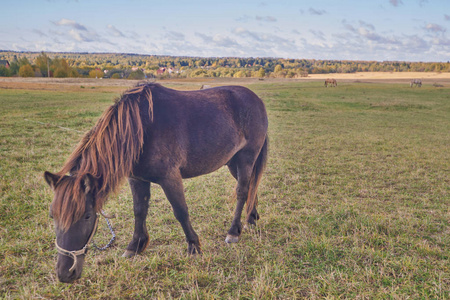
<point x="384" y="75"/>
<point x="113" y="85"/>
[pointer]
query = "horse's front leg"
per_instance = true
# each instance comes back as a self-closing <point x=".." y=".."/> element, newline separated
<point x="141" y="196"/>
<point x="173" y="188"/>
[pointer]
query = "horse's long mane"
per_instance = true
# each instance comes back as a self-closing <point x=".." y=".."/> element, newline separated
<point x="107" y="152"/>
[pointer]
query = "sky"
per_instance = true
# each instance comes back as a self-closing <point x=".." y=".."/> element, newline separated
<point x="381" y="30"/>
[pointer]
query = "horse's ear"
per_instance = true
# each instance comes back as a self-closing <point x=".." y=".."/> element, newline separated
<point x="89" y="183"/>
<point x="51" y="179"/>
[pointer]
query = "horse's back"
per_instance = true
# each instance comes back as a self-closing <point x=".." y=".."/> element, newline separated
<point x="199" y="131"/>
<point x="223" y="96"/>
<point x="220" y="106"/>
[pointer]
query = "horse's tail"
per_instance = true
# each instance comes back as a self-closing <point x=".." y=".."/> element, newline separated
<point x="257" y="172"/>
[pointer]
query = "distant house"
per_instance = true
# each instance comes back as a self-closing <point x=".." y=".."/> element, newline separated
<point x="160" y="71"/>
<point x="4" y="63"/>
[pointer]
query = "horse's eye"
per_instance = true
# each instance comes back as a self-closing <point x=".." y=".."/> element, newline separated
<point x="87" y="217"/>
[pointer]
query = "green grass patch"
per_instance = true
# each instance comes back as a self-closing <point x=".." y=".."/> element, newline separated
<point x="354" y="202"/>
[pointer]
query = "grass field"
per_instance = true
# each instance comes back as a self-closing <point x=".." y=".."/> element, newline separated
<point x="354" y="202"/>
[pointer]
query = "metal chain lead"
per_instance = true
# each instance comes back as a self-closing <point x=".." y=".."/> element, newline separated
<point x="111" y="241"/>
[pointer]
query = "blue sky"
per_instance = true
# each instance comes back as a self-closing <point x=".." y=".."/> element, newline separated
<point x="407" y="30"/>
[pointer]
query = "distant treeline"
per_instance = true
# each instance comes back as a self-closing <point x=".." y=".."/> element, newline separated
<point x="112" y="65"/>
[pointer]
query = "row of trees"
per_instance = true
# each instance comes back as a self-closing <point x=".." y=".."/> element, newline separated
<point x="42" y="66"/>
<point x="141" y="66"/>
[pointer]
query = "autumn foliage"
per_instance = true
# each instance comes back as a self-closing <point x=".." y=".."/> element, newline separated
<point x="114" y="65"/>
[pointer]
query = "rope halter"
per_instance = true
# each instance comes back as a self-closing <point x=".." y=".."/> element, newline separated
<point x="74" y="253"/>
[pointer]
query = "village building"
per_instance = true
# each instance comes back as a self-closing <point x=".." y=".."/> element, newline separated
<point x="5" y="63"/>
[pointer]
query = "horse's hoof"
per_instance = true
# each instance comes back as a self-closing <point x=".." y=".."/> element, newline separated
<point x="231" y="239"/>
<point x="194" y="250"/>
<point x="128" y="254"/>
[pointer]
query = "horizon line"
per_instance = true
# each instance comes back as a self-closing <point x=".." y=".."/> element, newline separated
<point x="188" y="56"/>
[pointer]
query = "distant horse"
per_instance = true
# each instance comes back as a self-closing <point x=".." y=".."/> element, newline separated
<point x="155" y="134"/>
<point x="416" y="82"/>
<point x="330" y="81"/>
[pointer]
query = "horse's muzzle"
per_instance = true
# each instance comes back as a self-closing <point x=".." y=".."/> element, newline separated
<point x="65" y="270"/>
<point x="68" y="278"/>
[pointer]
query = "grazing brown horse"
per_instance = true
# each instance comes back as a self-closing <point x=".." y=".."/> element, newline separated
<point x="330" y="81"/>
<point x="155" y="134"/>
<point x="416" y="82"/>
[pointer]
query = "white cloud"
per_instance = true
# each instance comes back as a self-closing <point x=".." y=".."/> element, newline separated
<point x="218" y="40"/>
<point x="39" y="32"/>
<point x="415" y="42"/>
<point x="244" y="18"/>
<point x="367" y="25"/>
<point x="443" y="42"/>
<point x="371" y="35"/>
<point x="434" y="28"/>
<point x="224" y="41"/>
<point x="317" y="12"/>
<point x="348" y="26"/>
<point x="80" y="34"/>
<point x="248" y="34"/>
<point x="76" y="35"/>
<point x="116" y="32"/>
<point x="318" y="34"/>
<point x="70" y="23"/>
<point x="174" y="35"/>
<point x="266" y="19"/>
<point x="265" y="42"/>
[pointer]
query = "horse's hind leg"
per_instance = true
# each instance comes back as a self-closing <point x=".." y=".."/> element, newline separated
<point x="241" y="167"/>
<point x="254" y="216"/>
<point x="141" y="195"/>
<point x="173" y="188"/>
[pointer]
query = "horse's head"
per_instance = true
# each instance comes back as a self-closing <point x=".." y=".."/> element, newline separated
<point x="75" y="218"/>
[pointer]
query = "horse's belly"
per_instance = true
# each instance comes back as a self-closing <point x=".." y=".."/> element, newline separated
<point x="160" y="160"/>
<point x="208" y="159"/>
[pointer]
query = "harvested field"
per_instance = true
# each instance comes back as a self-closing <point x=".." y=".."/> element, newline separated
<point x="74" y="84"/>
